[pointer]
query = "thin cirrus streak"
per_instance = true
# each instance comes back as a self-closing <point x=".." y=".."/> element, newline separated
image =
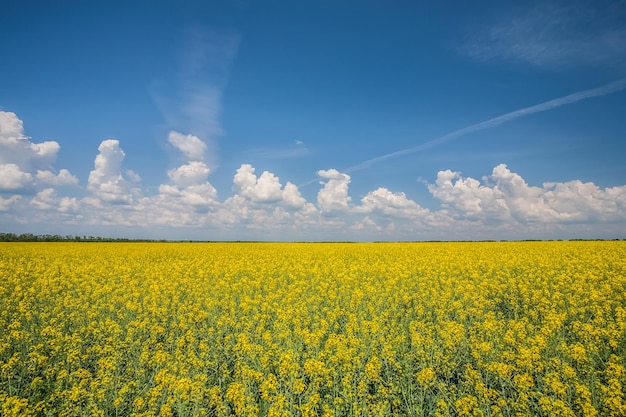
<point x="537" y="108"/>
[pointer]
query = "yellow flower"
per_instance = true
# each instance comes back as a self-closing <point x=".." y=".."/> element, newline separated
<point x="312" y="329"/>
<point x="373" y="368"/>
<point x="466" y="406"/>
<point x="426" y="376"/>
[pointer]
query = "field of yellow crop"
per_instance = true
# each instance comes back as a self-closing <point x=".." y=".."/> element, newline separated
<point x="278" y="329"/>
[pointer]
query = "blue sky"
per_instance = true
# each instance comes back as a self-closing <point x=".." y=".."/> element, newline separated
<point x="314" y="120"/>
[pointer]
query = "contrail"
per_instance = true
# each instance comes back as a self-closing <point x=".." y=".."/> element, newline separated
<point x="537" y="108"/>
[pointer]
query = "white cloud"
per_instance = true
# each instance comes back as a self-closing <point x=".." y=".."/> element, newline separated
<point x="132" y="176"/>
<point x="467" y="197"/>
<point x="47" y="199"/>
<point x="576" y="200"/>
<point x="7" y="203"/>
<point x="193" y="173"/>
<point x="106" y="180"/>
<point x="334" y="194"/>
<point x="198" y="195"/>
<point x="11" y="128"/>
<point x="190" y="188"/>
<point x="393" y="204"/>
<point x="189" y="193"/>
<point x="266" y="188"/>
<point x="366" y="224"/>
<point x="292" y="196"/>
<point x="13" y="179"/>
<point x="267" y="221"/>
<point x="24" y="164"/>
<point x="235" y="210"/>
<point x="262" y="204"/>
<point x="64" y="177"/>
<point x="15" y="147"/>
<point x="525" y="203"/>
<point x="511" y="198"/>
<point x="68" y="205"/>
<point x="500" y="205"/>
<point x="191" y="146"/>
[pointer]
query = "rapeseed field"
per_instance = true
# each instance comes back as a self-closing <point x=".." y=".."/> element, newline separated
<point x="284" y="329"/>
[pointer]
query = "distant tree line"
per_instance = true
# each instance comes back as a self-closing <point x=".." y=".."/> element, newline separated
<point x="29" y="237"/>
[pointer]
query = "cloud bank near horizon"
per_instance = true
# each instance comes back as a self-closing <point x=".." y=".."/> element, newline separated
<point x="35" y="196"/>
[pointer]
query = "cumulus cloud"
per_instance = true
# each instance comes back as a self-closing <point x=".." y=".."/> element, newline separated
<point x="64" y="177"/>
<point x="266" y="188"/>
<point x="575" y="200"/>
<point x="509" y="197"/>
<point x="48" y="199"/>
<point x="24" y="164"/>
<point x="572" y="201"/>
<point x="500" y="205"/>
<point x="193" y="173"/>
<point x="106" y="180"/>
<point x="45" y="199"/>
<point x="17" y="147"/>
<point x="292" y="196"/>
<point x="525" y="203"/>
<point x="197" y="196"/>
<point x="11" y="128"/>
<point x="393" y="204"/>
<point x="7" y="203"/>
<point x="334" y="194"/>
<point x="189" y="186"/>
<point x="262" y="205"/>
<point x="268" y="221"/>
<point x="13" y="179"/>
<point x="366" y="224"/>
<point x="467" y="197"/>
<point x="191" y="146"/>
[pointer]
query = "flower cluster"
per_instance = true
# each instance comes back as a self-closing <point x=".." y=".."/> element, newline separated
<point x="337" y="329"/>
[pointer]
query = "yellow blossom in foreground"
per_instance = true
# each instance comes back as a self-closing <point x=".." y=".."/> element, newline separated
<point x="337" y="329"/>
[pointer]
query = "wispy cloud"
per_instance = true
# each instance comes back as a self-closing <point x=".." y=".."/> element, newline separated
<point x="192" y="102"/>
<point x="289" y="153"/>
<point x="555" y="35"/>
<point x="296" y="150"/>
<point x="205" y="66"/>
<point x="537" y="108"/>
